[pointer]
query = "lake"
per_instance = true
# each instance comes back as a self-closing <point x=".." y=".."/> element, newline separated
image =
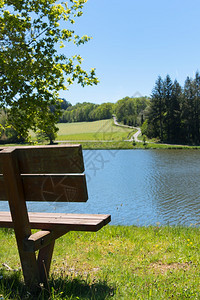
<point x="139" y="187"/>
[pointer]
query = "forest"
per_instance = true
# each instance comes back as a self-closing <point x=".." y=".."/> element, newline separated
<point x="173" y="115"/>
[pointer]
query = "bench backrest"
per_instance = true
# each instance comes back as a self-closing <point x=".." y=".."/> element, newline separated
<point x="47" y="173"/>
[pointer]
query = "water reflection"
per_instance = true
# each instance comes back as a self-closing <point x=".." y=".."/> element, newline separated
<point x="144" y="187"/>
<point x="176" y="194"/>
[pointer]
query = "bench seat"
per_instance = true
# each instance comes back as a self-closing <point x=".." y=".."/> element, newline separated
<point x="65" y="221"/>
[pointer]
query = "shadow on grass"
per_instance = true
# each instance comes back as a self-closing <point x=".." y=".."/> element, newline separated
<point x="12" y="287"/>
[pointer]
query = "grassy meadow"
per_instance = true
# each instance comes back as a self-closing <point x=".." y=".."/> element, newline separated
<point x="103" y="130"/>
<point x="118" y="262"/>
<point x="104" y="134"/>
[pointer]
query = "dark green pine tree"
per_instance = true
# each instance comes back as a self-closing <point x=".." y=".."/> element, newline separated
<point x="196" y="83"/>
<point x="176" y="113"/>
<point x="188" y="111"/>
<point x="168" y="116"/>
<point x="157" y="110"/>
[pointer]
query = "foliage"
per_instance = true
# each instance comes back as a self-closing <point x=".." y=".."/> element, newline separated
<point x="7" y="133"/>
<point x="61" y="104"/>
<point x="156" y="114"/>
<point x="32" y="68"/>
<point x="174" y="114"/>
<point x="102" y="112"/>
<point x="134" y="142"/>
<point x="130" y="110"/>
<point x="191" y="109"/>
<point x="78" y="113"/>
<point x="86" y="111"/>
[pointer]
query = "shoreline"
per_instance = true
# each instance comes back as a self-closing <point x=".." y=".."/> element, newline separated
<point x="125" y="145"/>
<point x="112" y="145"/>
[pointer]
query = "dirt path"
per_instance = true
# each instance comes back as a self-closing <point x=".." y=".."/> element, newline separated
<point x="134" y="136"/>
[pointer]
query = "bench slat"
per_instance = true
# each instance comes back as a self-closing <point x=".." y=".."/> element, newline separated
<point x="48" y="159"/>
<point x="57" y="221"/>
<point x="52" y="187"/>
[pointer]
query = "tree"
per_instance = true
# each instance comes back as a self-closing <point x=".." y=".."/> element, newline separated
<point x="32" y="68"/>
<point x="196" y="84"/>
<point x="176" y="112"/>
<point x="191" y="109"/>
<point x="168" y="114"/>
<point x="157" y="109"/>
<point x="61" y="104"/>
<point x="129" y="110"/>
<point x="102" y="111"/>
<point x="187" y="110"/>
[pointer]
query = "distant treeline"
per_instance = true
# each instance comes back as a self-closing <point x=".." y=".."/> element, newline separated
<point x="127" y="110"/>
<point x="174" y="112"/>
<point x="86" y="112"/>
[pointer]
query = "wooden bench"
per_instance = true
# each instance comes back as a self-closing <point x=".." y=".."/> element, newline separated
<point x="43" y="173"/>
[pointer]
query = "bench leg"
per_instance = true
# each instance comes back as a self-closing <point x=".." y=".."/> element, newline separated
<point x="30" y="269"/>
<point x="44" y="262"/>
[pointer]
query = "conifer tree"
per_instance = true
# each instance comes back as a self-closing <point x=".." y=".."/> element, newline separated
<point x="157" y="109"/>
<point x="168" y="114"/>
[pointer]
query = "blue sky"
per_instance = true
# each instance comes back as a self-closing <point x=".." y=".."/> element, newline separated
<point x="133" y="43"/>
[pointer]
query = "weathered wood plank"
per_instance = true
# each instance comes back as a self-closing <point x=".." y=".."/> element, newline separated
<point x="57" y="221"/>
<point x="36" y="240"/>
<point x="41" y="239"/>
<point x="48" y="159"/>
<point x="43" y="215"/>
<point x="51" y="187"/>
<point x="56" y="188"/>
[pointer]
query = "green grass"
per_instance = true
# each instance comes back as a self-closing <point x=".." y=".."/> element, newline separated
<point x="118" y="262"/>
<point x="98" y="130"/>
<point x="103" y="130"/>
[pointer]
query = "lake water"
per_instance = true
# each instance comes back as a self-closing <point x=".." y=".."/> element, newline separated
<point x="139" y="187"/>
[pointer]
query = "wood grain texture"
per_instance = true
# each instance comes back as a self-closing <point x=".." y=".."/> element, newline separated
<point x="47" y="159"/>
<point x="41" y="239"/>
<point x="51" y="187"/>
<point x="55" y="188"/>
<point x="60" y="221"/>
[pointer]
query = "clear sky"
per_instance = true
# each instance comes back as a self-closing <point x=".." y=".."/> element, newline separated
<point x="133" y="43"/>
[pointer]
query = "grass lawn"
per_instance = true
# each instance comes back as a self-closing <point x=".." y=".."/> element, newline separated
<point x="103" y="135"/>
<point x="118" y="262"/>
<point x="93" y="131"/>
